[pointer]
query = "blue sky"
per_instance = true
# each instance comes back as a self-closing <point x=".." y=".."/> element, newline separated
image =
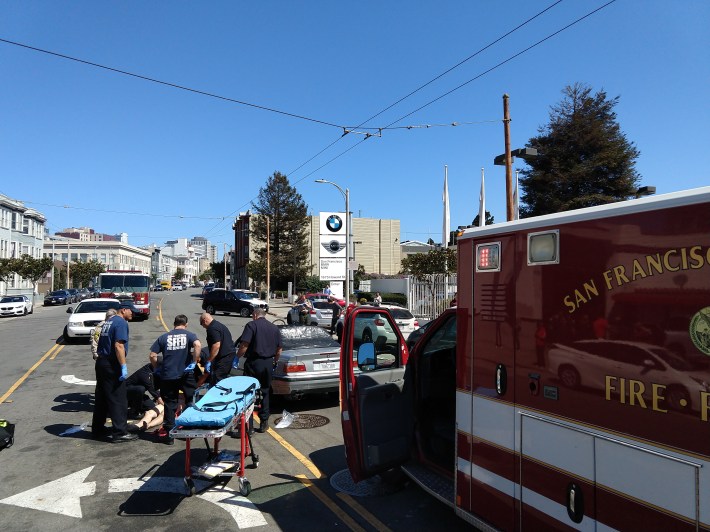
<point x="83" y="144"/>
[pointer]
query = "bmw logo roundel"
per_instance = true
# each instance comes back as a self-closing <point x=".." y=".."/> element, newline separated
<point x="334" y="223"/>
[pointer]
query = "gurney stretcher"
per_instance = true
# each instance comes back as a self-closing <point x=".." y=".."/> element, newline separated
<point x="225" y="407"/>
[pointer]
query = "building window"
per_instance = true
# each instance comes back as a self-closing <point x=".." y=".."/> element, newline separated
<point x="15" y="221"/>
<point x="26" y="226"/>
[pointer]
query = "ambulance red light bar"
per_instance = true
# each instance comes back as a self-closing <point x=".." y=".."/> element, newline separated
<point x="488" y="257"/>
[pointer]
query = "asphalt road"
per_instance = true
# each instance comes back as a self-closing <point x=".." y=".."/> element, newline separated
<point x="71" y="482"/>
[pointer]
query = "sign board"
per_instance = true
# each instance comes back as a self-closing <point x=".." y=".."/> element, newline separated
<point x="333" y="245"/>
<point x="332" y="269"/>
<point x="333" y="223"/>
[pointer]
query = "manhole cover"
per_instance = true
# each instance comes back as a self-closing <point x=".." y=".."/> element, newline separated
<point x="371" y="487"/>
<point x="306" y="421"/>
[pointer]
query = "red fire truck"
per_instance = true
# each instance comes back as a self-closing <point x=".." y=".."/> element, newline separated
<point x="128" y="285"/>
<point x="570" y="388"/>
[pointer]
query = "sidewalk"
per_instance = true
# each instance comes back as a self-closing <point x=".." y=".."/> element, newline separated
<point x="279" y="309"/>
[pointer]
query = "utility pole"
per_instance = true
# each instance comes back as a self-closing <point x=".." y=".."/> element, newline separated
<point x="224" y="247"/>
<point x="268" y="260"/>
<point x="508" y="160"/>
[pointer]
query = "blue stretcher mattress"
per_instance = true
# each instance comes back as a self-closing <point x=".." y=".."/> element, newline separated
<point x="229" y="397"/>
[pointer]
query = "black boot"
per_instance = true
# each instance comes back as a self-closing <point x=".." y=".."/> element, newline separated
<point x="264" y="425"/>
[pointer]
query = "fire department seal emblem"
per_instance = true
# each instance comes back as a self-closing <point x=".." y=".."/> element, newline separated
<point x="700" y="330"/>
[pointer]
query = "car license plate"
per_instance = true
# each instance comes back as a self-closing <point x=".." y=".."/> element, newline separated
<point x="320" y="366"/>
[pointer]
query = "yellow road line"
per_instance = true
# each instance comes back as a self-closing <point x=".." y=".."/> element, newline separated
<point x="357" y="508"/>
<point x="345" y="518"/>
<point x="295" y="452"/>
<point x="29" y="371"/>
<point x="347" y="499"/>
<point x="160" y="314"/>
<point x="56" y="352"/>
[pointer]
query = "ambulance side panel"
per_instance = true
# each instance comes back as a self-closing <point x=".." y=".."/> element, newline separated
<point x="583" y="370"/>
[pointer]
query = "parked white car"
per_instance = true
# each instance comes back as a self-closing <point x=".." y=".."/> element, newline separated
<point x="321" y="314"/>
<point x="15" y="306"/>
<point x="87" y="315"/>
<point x="251" y="297"/>
<point x="370" y="328"/>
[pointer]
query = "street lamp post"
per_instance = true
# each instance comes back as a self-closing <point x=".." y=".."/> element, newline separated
<point x="348" y="236"/>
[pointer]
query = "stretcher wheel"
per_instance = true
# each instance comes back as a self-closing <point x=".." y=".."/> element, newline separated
<point x="190" y="486"/>
<point x="244" y="488"/>
<point x="255" y="460"/>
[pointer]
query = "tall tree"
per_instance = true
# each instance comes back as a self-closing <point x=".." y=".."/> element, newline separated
<point x="435" y="261"/>
<point x="33" y="269"/>
<point x="8" y="268"/>
<point x="288" y="221"/>
<point x="583" y="159"/>
<point x="82" y="273"/>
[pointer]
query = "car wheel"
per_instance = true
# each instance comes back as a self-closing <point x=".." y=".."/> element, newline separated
<point x="65" y="336"/>
<point x="244" y="313"/>
<point x="569" y="377"/>
<point x="367" y="336"/>
<point x="209" y="309"/>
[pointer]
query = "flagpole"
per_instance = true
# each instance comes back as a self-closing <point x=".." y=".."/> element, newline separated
<point x="482" y="202"/>
<point x="516" y="198"/>
<point x="446" y="229"/>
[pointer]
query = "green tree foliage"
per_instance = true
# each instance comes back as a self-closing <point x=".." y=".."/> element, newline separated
<point x="217" y="270"/>
<point x="434" y="261"/>
<point x="8" y="268"/>
<point x="489" y="219"/>
<point x="82" y="273"/>
<point x="288" y="221"/>
<point x="583" y="157"/>
<point x="179" y="274"/>
<point x="33" y="269"/>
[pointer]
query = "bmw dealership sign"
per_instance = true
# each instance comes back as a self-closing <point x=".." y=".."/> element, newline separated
<point x="333" y="242"/>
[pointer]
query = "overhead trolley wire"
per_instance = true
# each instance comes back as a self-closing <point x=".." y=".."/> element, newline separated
<point x="173" y="85"/>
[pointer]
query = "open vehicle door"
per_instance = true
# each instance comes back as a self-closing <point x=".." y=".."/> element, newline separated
<point x="376" y="402"/>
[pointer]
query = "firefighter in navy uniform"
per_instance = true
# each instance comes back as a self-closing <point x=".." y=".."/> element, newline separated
<point x="110" y="399"/>
<point x="181" y="351"/>
<point x="261" y="344"/>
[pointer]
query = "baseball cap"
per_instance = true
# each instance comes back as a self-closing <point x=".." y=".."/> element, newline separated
<point x="128" y="305"/>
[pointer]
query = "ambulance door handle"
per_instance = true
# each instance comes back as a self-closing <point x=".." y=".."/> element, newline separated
<point x="575" y="502"/>
<point x="501" y="379"/>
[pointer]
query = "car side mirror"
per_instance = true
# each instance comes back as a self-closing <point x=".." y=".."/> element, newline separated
<point x="69" y="310"/>
<point x="366" y="356"/>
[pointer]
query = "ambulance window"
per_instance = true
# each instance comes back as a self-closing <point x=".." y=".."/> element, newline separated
<point x="544" y="248"/>
<point x="488" y="257"/>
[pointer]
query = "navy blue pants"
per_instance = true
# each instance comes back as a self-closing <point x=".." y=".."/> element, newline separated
<point x="260" y="369"/>
<point x="110" y="399"/>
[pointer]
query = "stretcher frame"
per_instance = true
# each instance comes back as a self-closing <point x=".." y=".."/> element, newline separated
<point x="239" y="420"/>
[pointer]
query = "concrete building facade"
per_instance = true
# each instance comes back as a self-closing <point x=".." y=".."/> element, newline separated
<point x="21" y="233"/>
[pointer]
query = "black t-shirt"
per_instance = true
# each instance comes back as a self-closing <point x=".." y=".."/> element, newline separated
<point x="218" y="332"/>
<point x="263" y="337"/>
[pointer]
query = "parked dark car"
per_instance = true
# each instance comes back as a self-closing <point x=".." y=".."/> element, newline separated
<point x="74" y="292"/>
<point x="58" y="297"/>
<point x="221" y="300"/>
<point x="207" y="289"/>
<point x="84" y="293"/>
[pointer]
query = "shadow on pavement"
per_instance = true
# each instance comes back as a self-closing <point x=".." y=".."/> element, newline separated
<point x="74" y="402"/>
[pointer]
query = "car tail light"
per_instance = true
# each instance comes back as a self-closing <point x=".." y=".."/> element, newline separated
<point x="380" y="322"/>
<point x="313" y="311"/>
<point x="416" y="324"/>
<point x="294" y="367"/>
